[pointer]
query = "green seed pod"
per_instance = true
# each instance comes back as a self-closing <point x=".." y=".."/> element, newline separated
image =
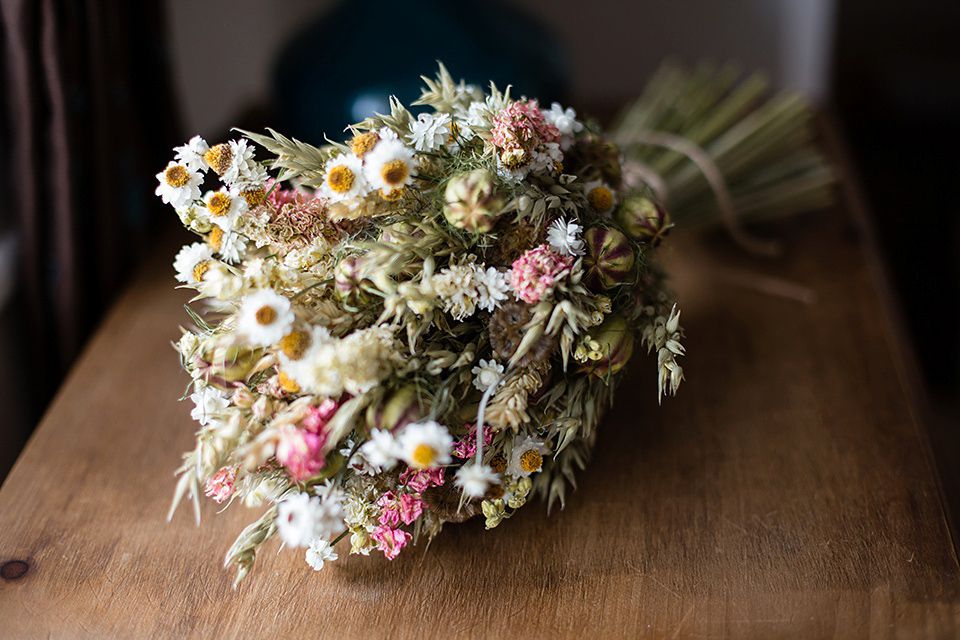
<point x="609" y="260"/>
<point x="471" y="201"/>
<point x="643" y="220"/>
<point x="616" y="344"/>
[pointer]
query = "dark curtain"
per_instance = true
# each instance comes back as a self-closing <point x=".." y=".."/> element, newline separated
<point x="90" y="118"/>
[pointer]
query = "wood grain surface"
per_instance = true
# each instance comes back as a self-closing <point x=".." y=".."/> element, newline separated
<point x="786" y="492"/>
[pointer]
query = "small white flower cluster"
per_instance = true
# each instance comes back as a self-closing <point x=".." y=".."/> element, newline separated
<point x="464" y="288"/>
<point x="302" y="518"/>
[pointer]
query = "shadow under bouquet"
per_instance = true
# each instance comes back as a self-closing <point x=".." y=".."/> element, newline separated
<point x="425" y="322"/>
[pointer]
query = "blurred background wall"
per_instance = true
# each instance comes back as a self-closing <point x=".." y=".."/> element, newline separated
<point x="158" y="71"/>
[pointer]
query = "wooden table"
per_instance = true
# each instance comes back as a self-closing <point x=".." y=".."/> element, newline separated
<point x="788" y="491"/>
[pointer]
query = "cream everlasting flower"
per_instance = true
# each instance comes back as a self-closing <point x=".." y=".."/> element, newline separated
<point x="456" y="287"/>
<point x="319" y="552"/>
<point x="430" y="131"/>
<point x="493" y="287"/>
<point x="425" y="445"/>
<point x="487" y="373"/>
<point x="178" y="185"/>
<point x="344" y="178"/>
<point x="192" y="262"/>
<point x="474" y="479"/>
<point x="390" y="166"/>
<point x="191" y="154"/>
<point x="527" y="456"/>
<point x="564" y="237"/>
<point x="600" y="196"/>
<point x="265" y="317"/>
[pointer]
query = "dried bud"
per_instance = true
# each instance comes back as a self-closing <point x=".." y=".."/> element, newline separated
<point x="615" y="344"/>
<point x="644" y="220"/>
<point x="609" y="260"/>
<point x="401" y="408"/>
<point x="228" y="363"/>
<point x="472" y="202"/>
<point x="348" y="278"/>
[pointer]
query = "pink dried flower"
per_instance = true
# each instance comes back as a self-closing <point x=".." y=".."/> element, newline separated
<point x="279" y="197"/>
<point x="390" y="510"/>
<point x="535" y="272"/>
<point x="301" y="452"/>
<point x="466" y="447"/>
<point x="521" y="124"/>
<point x="318" y="417"/>
<point x="411" y="507"/>
<point x="420" y="481"/>
<point x="221" y="486"/>
<point x="390" y="541"/>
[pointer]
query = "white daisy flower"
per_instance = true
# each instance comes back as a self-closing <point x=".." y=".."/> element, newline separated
<point x="243" y="171"/>
<point x="474" y="479"/>
<point x="424" y="445"/>
<point x="565" y="120"/>
<point x="229" y="244"/>
<point x="319" y="552"/>
<point x="430" y="131"/>
<point x="526" y="456"/>
<point x="344" y="178"/>
<point x="265" y="317"/>
<point x="207" y="403"/>
<point x="179" y="185"/>
<point x="317" y="371"/>
<point x="191" y="154"/>
<point x="390" y="166"/>
<point x="564" y="237"/>
<point x="493" y="287"/>
<point x="380" y="452"/>
<point x="487" y="373"/>
<point x="600" y="196"/>
<point x="225" y="208"/>
<point x="192" y="262"/>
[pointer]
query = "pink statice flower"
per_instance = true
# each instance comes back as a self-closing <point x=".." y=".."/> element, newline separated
<point x="536" y="271"/>
<point x="522" y="124"/>
<point x="466" y="447"/>
<point x="524" y="140"/>
<point x="411" y="506"/>
<point x="419" y="481"/>
<point x="390" y="541"/>
<point x="222" y="485"/>
<point x="318" y="417"/>
<point x="301" y="452"/>
<point x="389" y="510"/>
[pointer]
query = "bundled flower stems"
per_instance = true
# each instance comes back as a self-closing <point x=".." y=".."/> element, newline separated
<point x="424" y="322"/>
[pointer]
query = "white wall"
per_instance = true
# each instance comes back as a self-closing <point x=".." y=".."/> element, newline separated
<point x="223" y="48"/>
